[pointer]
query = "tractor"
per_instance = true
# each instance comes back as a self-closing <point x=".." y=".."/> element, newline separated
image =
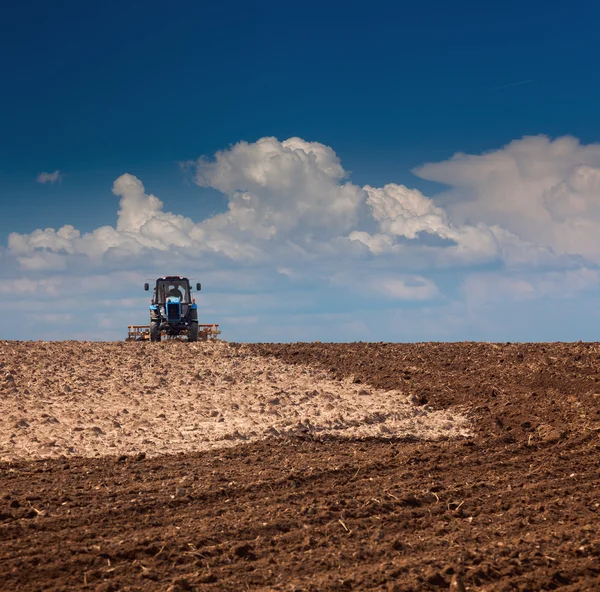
<point x="173" y="314"/>
<point x="173" y="310"/>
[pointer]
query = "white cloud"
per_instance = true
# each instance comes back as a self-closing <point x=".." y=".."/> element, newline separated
<point x="297" y="232"/>
<point x="393" y="286"/>
<point x="414" y="288"/>
<point x="485" y="288"/>
<point x="404" y="213"/>
<point x="67" y="285"/>
<point x="141" y="226"/>
<point x="547" y="192"/>
<point x="291" y="189"/>
<point x="49" y="177"/>
<point x="287" y="201"/>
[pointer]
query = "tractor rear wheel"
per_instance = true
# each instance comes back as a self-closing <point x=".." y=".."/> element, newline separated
<point x="193" y="332"/>
<point x="155" y="331"/>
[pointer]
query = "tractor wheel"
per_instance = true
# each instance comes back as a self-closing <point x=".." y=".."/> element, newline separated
<point x="155" y="331"/>
<point x="193" y="332"/>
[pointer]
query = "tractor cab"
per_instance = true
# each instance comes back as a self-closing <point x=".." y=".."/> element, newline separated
<point x="172" y="287"/>
<point x="169" y="290"/>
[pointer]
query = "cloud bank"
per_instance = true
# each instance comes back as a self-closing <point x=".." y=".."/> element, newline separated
<point x="546" y="192"/>
<point x="289" y="200"/>
<point x="521" y="218"/>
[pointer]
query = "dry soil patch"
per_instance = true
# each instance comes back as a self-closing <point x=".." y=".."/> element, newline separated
<point x="91" y="400"/>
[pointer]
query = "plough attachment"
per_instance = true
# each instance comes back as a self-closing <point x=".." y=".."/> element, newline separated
<point x="142" y="333"/>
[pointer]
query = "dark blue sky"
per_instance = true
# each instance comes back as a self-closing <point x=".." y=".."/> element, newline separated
<point x="98" y="89"/>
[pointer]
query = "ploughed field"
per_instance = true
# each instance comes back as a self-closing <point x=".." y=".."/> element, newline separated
<point x="215" y="466"/>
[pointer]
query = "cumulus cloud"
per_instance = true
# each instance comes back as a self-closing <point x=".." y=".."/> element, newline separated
<point x="49" y="177"/>
<point x="294" y="218"/>
<point x="547" y="192"/>
<point x="282" y="188"/>
<point x="141" y="226"/>
<point x="287" y="201"/>
<point x="404" y="213"/>
<point x="290" y="193"/>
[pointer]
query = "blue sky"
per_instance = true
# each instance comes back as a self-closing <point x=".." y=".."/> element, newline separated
<point x="479" y="246"/>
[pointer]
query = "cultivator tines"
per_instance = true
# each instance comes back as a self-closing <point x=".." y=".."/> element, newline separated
<point x="206" y="332"/>
<point x="138" y="332"/>
<point x="142" y="333"/>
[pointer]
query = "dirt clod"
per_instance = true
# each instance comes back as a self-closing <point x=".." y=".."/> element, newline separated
<point x="457" y="584"/>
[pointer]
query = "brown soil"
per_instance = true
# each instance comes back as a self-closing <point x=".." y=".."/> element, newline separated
<point x="512" y="507"/>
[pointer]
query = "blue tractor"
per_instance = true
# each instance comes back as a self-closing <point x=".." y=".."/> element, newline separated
<point x="173" y="310"/>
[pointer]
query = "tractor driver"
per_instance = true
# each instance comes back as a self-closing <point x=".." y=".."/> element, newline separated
<point x="174" y="292"/>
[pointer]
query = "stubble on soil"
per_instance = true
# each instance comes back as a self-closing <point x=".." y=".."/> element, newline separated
<point x="513" y="507"/>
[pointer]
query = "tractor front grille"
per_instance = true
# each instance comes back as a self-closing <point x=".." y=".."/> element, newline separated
<point x="173" y="311"/>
